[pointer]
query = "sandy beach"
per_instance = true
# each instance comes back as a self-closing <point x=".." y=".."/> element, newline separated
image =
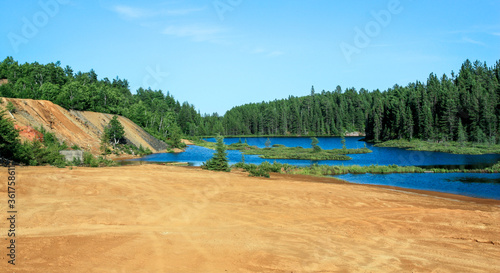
<point x="152" y="218"/>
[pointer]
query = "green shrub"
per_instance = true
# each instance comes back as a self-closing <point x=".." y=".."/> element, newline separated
<point x="259" y="172"/>
<point x="10" y="107"/>
<point x="219" y="161"/>
<point x="87" y="158"/>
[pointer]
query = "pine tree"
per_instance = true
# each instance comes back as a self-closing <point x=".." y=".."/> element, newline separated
<point x="461" y="136"/>
<point x="342" y="138"/>
<point x="268" y="143"/>
<point x="219" y="161"/>
<point x="104" y="145"/>
<point x="114" y="132"/>
<point x="314" y="144"/>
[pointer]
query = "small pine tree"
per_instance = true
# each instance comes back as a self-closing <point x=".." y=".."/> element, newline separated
<point x="480" y="136"/>
<point x="246" y="141"/>
<point x="314" y="144"/>
<point x="114" y="132"/>
<point x="462" y="137"/>
<point x="268" y="143"/>
<point x="219" y="161"/>
<point x="10" y="107"/>
<point x="342" y="138"/>
<point x="175" y="135"/>
<point x="239" y="141"/>
<point x="104" y="145"/>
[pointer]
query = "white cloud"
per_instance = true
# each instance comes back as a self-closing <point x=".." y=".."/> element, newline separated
<point x="195" y="32"/>
<point x="129" y="11"/>
<point x="135" y="12"/>
<point x="263" y="51"/>
<point x="471" y="41"/>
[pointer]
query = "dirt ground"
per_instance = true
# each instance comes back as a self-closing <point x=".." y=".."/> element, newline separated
<point x="151" y="218"/>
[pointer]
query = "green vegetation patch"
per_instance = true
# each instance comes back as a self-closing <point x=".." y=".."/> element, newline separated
<point x="451" y="147"/>
<point x="219" y="161"/>
<point x="305" y="153"/>
<point x="203" y="143"/>
<point x="265" y="168"/>
<point x="241" y="147"/>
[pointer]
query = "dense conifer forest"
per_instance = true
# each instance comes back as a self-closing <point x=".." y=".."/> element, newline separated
<point x="460" y="107"/>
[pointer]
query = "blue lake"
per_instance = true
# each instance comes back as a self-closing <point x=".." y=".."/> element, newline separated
<point x="458" y="184"/>
<point x="482" y="185"/>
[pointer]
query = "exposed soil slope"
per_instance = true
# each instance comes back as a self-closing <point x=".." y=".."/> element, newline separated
<point x="82" y="128"/>
<point x="150" y="218"/>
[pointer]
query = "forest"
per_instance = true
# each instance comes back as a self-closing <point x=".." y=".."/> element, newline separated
<point x="461" y="107"/>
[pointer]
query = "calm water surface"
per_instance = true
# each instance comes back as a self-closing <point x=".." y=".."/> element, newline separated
<point x="477" y="185"/>
<point x="482" y="185"/>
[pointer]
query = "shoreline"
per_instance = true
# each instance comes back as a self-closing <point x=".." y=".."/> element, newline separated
<point x="315" y="179"/>
<point x="307" y="179"/>
<point x="186" y="164"/>
<point x="437" y="194"/>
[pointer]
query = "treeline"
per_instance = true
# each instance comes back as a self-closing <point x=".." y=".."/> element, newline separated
<point x="160" y="114"/>
<point x="322" y="114"/>
<point x="462" y="107"/>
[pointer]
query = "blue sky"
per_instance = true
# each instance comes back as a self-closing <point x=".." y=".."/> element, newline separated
<point x="217" y="54"/>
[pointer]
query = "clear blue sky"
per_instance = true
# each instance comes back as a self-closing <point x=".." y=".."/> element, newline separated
<point x="217" y="54"/>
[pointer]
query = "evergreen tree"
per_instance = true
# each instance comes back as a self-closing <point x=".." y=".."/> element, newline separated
<point x="175" y="136"/>
<point x="10" y="107"/>
<point x="267" y="143"/>
<point x="104" y="147"/>
<point x="314" y="144"/>
<point x="342" y="138"/>
<point x="114" y="132"/>
<point x="461" y="137"/>
<point x="219" y="161"/>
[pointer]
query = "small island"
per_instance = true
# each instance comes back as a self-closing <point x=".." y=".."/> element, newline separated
<point x="278" y="151"/>
<point x="451" y="147"/>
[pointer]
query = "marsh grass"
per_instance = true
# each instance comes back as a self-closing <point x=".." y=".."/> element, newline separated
<point x="325" y="170"/>
<point x="282" y="152"/>
<point x="451" y="147"/>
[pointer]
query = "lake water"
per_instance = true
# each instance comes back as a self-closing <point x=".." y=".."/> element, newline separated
<point x="487" y="187"/>
<point x="482" y="185"/>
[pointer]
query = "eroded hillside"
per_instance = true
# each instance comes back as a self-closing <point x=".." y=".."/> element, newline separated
<point x="82" y="128"/>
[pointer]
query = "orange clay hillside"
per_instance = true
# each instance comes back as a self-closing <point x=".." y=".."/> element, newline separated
<point x="82" y="128"/>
